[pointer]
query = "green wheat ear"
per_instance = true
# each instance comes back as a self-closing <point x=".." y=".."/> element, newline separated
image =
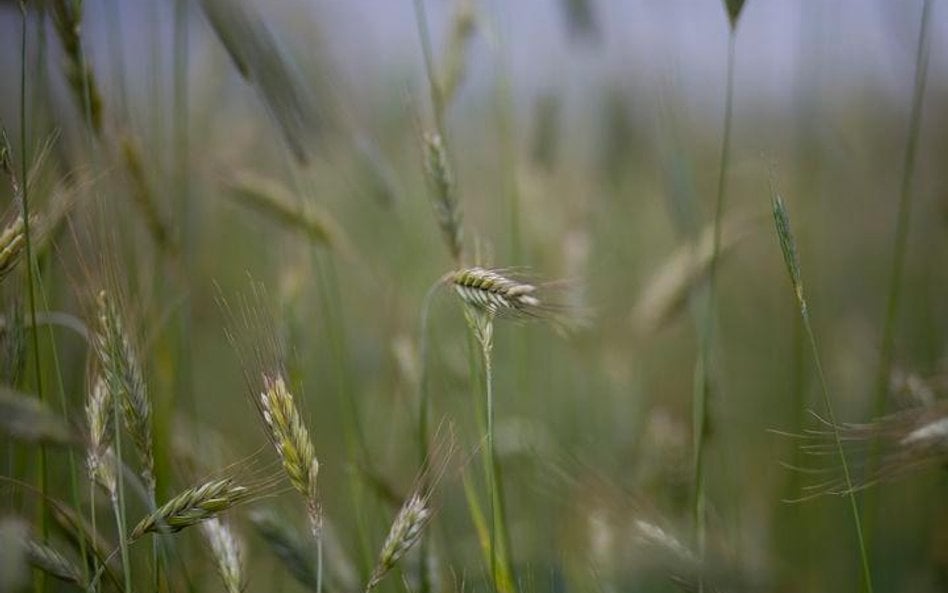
<point x="788" y="246"/>
<point x="734" y="8"/>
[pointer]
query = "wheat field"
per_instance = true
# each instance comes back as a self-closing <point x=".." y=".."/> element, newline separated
<point x="446" y="296"/>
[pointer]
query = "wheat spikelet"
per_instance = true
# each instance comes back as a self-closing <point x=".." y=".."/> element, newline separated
<point x="667" y="292"/>
<point x="492" y="292"/>
<point x="27" y="419"/>
<point x="99" y="420"/>
<point x="286" y="545"/>
<point x="406" y="530"/>
<point x="143" y="195"/>
<point x="193" y="506"/>
<point x="289" y="436"/>
<point x="444" y="194"/>
<point x="52" y="562"/>
<point x="123" y="377"/>
<point x="12" y="245"/>
<point x="228" y="553"/>
<point x="67" y="20"/>
<point x="455" y="62"/>
<point x="273" y="199"/>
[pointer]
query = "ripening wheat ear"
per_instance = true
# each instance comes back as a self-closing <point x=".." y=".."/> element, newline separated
<point x="123" y="377"/>
<point x="406" y="530"/>
<point x="99" y="458"/>
<point x="194" y="506"/>
<point x="228" y="553"/>
<point x="444" y="194"/>
<point x="412" y="518"/>
<point x="288" y="433"/>
<point x="499" y="294"/>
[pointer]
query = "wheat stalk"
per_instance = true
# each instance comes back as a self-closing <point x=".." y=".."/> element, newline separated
<point x="193" y="506"/>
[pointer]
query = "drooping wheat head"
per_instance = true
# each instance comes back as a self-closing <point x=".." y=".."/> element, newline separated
<point x="495" y="293"/>
<point x="194" y="506"/>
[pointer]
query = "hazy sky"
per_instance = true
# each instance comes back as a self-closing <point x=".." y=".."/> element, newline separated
<point x="783" y="46"/>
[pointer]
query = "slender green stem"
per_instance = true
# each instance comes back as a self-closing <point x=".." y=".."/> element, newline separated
<point x="327" y="282"/>
<point x="118" y="501"/>
<point x="857" y="522"/>
<point x="492" y="460"/>
<point x="319" y="562"/>
<point x="900" y="243"/>
<point x="703" y="371"/>
<point x="95" y="531"/>
<point x="61" y="390"/>
<point x="24" y="194"/>
<point x="184" y="380"/>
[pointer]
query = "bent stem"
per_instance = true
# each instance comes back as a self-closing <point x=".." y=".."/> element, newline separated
<point x="866" y="573"/>
<point x="899" y="248"/>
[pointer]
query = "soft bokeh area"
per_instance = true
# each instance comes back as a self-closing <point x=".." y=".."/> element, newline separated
<point x="516" y="262"/>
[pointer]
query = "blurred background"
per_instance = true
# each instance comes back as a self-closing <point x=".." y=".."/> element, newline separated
<point x="282" y="141"/>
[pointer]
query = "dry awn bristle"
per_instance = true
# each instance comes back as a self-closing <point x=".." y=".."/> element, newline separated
<point x="406" y="530"/>
<point x="907" y="441"/>
<point x="124" y="379"/>
<point x="444" y="194"/>
<point x="228" y="553"/>
<point x="494" y="293"/>
<point x="193" y="506"/>
<point x="289" y="435"/>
